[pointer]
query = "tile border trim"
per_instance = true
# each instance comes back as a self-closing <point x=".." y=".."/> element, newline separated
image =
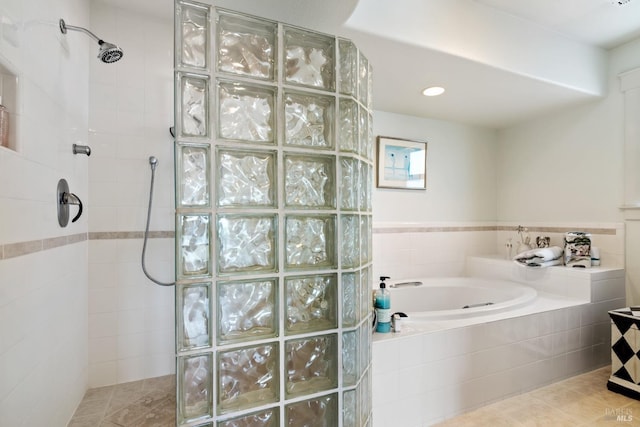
<point x="609" y="231"/>
<point x="14" y="250"/>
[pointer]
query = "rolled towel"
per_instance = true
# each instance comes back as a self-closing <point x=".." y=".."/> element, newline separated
<point x="539" y="255"/>
<point x="543" y="263"/>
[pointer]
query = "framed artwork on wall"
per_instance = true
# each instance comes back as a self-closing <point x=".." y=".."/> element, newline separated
<point x="401" y="163"/>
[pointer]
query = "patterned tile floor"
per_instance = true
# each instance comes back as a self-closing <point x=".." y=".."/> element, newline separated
<point x="578" y="401"/>
<point x="145" y="403"/>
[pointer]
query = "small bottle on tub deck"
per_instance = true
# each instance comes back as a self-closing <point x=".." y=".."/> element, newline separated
<point x="382" y="305"/>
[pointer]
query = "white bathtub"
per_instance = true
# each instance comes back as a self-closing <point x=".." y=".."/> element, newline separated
<point x="444" y="298"/>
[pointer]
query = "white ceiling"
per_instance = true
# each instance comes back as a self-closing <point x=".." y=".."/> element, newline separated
<point x="602" y="23"/>
<point x="501" y="61"/>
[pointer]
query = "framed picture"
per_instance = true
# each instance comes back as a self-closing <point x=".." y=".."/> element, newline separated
<point x="402" y="163"/>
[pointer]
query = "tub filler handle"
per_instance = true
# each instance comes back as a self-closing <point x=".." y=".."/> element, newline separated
<point x="403" y="284"/>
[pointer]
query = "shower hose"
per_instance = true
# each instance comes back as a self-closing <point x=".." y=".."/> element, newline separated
<point x="153" y="162"/>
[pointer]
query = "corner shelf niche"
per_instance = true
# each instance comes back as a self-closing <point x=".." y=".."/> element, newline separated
<point x="9" y="94"/>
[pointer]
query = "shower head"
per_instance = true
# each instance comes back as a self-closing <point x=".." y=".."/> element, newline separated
<point x="108" y="52"/>
<point x="153" y="161"/>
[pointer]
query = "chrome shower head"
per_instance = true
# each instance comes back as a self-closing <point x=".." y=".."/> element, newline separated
<point x="108" y="52"/>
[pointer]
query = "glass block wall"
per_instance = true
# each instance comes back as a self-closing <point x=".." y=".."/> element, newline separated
<point x="273" y="223"/>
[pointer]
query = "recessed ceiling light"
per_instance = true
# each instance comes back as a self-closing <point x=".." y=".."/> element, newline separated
<point x="433" y="91"/>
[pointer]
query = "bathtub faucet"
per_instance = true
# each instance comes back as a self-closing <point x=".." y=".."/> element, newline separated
<point x="402" y="284"/>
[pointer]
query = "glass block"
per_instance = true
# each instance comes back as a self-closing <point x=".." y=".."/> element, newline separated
<point x="193" y="242"/>
<point x="365" y="398"/>
<point x="311" y="303"/>
<point x="246" y="243"/>
<point x="365" y="239"/>
<point x="309" y="58"/>
<point x="317" y="412"/>
<point x="348" y="67"/>
<point x="362" y="353"/>
<point x="311" y="365"/>
<point x="193" y="172"/>
<point x="246" y="46"/>
<point x="348" y="126"/>
<point x="267" y="418"/>
<point x="309" y="181"/>
<point x="350" y="409"/>
<point x="363" y="130"/>
<point x="195" y="387"/>
<point x="309" y="120"/>
<point x="366" y="287"/>
<point x="350" y="238"/>
<point x="369" y="103"/>
<point x="367" y="188"/>
<point x="350" y="358"/>
<point x="246" y="112"/>
<point x="370" y="139"/>
<point x="194" y="320"/>
<point x="246" y="178"/>
<point x="193" y="35"/>
<point x="350" y="299"/>
<point x="363" y="79"/>
<point x="248" y="377"/>
<point x="247" y="310"/>
<point x="310" y="241"/>
<point x="348" y="179"/>
<point x="363" y="188"/>
<point x="194" y="105"/>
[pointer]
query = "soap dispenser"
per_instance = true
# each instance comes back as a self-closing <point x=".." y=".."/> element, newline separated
<point x="382" y="305"/>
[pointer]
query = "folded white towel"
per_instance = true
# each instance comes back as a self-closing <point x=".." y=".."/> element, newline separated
<point x="540" y="254"/>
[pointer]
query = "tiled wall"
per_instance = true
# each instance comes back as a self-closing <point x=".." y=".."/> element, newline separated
<point x="131" y="320"/>
<point x="43" y="267"/>
<point x="406" y="250"/>
<point x="403" y="251"/>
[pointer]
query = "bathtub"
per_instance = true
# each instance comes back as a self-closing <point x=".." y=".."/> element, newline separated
<point x="444" y="298"/>
<point x="447" y="360"/>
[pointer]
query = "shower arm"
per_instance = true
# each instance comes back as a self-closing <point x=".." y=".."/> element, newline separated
<point x="64" y="27"/>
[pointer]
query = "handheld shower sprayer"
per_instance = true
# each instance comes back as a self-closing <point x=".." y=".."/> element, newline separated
<point x="108" y="52"/>
<point x="153" y="162"/>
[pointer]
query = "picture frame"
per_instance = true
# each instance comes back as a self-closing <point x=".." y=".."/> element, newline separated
<point x="401" y="163"/>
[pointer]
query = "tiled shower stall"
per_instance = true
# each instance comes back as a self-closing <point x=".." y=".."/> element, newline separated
<point x="273" y="223"/>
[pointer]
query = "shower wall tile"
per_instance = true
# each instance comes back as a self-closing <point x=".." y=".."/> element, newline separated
<point x="127" y="309"/>
<point x="127" y="128"/>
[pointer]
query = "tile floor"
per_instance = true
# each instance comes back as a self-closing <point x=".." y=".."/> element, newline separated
<point x="579" y="401"/>
<point x="582" y="400"/>
<point x="145" y="403"/>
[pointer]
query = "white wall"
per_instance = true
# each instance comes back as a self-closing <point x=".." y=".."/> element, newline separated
<point x="567" y="167"/>
<point x="43" y="273"/>
<point x="131" y="320"/>
<point x="429" y="233"/>
<point x="461" y="172"/>
<point x="564" y="167"/>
